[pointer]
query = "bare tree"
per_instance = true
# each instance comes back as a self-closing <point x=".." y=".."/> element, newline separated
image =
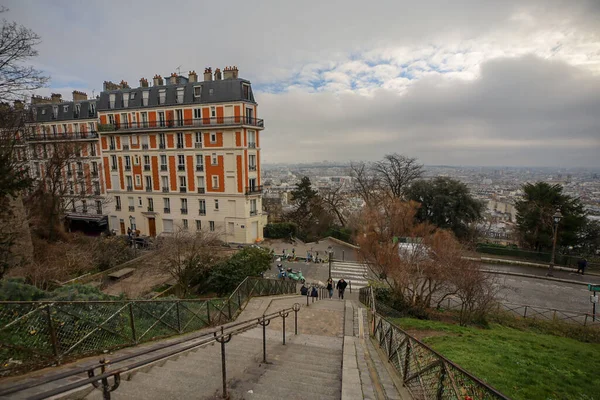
<point x="395" y="173"/>
<point x="189" y="256"/>
<point x="365" y="182"/>
<point x="17" y="46"/>
<point x="335" y="202"/>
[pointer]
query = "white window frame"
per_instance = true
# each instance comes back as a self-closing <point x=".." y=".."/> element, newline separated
<point x="213" y="137"/>
<point x="197" y="91"/>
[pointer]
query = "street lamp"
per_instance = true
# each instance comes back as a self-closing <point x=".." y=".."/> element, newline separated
<point x="330" y="252"/>
<point x="556" y="220"/>
<point x="132" y="237"/>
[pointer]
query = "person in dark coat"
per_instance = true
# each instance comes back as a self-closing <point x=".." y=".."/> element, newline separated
<point x="581" y="265"/>
<point x="341" y="286"/>
<point x="330" y="287"/>
<point x="304" y="290"/>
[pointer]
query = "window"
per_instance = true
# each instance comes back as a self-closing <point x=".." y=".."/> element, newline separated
<point x="98" y="207"/>
<point x="147" y="163"/>
<point x="138" y="180"/>
<point x="125" y="100"/>
<point x="179" y="117"/>
<point x="168" y="225"/>
<point x="198" y="139"/>
<point x="180" y="140"/>
<point x="148" y="183"/>
<point x="130" y="202"/>
<point x="197" y="113"/>
<point x="94" y="166"/>
<point x="91" y="127"/>
<point x="164" y="181"/>
<point x="129" y="182"/>
<point x="199" y="162"/>
<point x="246" y="90"/>
<point x="211" y="92"/>
<point x="185" y="224"/>
<point x="162" y="95"/>
<point x="54" y="112"/>
<point x="161" y="118"/>
<point x="144" y="117"/>
<point x="84" y="206"/>
<point x="132" y="95"/>
<point x="64" y="128"/>
<point x="150" y="204"/>
<point x="252" y="162"/>
<point x="136" y="160"/>
<point x="181" y="162"/>
<point x="54" y="130"/>
<point x="211" y="225"/>
<point x="198" y="225"/>
<point x="92" y="109"/>
<point x="111" y="119"/>
<point x="214" y="159"/>
<point x="140" y="204"/>
<point x="43" y="111"/>
<point x="93" y="149"/>
<point x="125" y="119"/>
<point x="167" y="203"/>
<point x="253" y="207"/>
<point x="184" y="206"/>
<point x="77" y="110"/>
<point x="197" y="92"/>
<point x="213" y="111"/>
<point x="213" y="137"/>
<point x="113" y="162"/>
<point x="201" y="182"/>
<point x="216" y="205"/>
<point x="202" y="208"/>
<point x="252" y="139"/>
<point x="161" y="140"/>
<point x="182" y="183"/>
<point x="163" y="162"/>
<point x="117" y="203"/>
<point x="215" y="182"/>
<point x="111" y="102"/>
<point x="127" y="163"/>
<point x="179" y="98"/>
<point x="145" y="96"/>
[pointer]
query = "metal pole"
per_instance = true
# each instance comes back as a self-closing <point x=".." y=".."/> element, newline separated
<point x="296" y="308"/>
<point x="551" y="266"/>
<point x="350" y="285"/>
<point x="343" y="257"/>
<point x="224" y="339"/>
<point x="132" y="323"/>
<point x="178" y="318"/>
<point x="283" y="329"/>
<point x="52" y="332"/>
<point x="307" y="300"/>
<point x="594" y="312"/>
<point x="330" y="259"/>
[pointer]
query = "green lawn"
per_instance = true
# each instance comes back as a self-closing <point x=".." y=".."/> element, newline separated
<point x="521" y="364"/>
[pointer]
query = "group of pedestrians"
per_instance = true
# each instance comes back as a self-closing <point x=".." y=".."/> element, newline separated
<point x="340" y="286"/>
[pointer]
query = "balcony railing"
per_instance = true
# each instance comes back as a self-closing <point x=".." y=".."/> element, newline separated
<point x="113" y="168"/>
<point x="144" y="147"/>
<point x="252" y="168"/>
<point x="125" y="147"/>
<point x="179" y="145"/>
<point x="251" y="145"/>
<point x="184" y="210"/>
<point x="165" y="190"/>
<point x="253" y="189"/>
<point x="94" y="174"/>
<point x="202" y="212"/>
<point x="163" y="167"/>
<point x="96" y="193"/>
<point x="253" y="213"/>
<point x="150" y="209"/>
<point x="181" y="167"/>
<point x="62" y="136"/>
<point x="166" y="210"/>
<point x="128" y="168"/>
<point x="131" y="208"/>
<point x="201" y="190"/>
<point x="112" y="147"/>
<point x="195" y="122"/>
<point x="182" y="190"/>
<point x="148" y="188"/>
<point x="200" y="168"/>
<point x="130" y="188"/>
<point x="146" y="167"/>
<point x="198" y="145"/>
<point x="161" y="146"/>
<point x="80" y="174"/>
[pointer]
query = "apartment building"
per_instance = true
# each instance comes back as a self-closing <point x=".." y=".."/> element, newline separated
<point x="68" y="129"/>
<point x="183" y="153"/>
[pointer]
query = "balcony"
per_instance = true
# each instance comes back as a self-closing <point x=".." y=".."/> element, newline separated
<point x="150" y="209"/>
<point x="184" y="211"/>
<point x="181" y="168"/>
<point x="94" y="174"/>
<point x="202" y="212"/>
<point x="179" y="145"/>
<point x="62" y="137"/>
<point x="253" y="190"/>
<point x="148" y="188"/>
<point x="125" y="147"/>
<point x="200" y="168"/>
<point x="130" y="188"/>
<point x="163" y="167"/>
<point x="166" y="210"/>
<point x="118" y="207"/>
<point x="251" y="145"/>
<point x="96" y="192"/>
<point x="146" y="167"/>
<point x="161" y="146"/>
<point x="195" y="122"/>
<point x="198" y="145"/>
<point x="144" y="147"/>
<point x="182" y="190"/>
<point x="252" y="168"/>
<point x="165" y="190"/>
<point x="253" y="213"/>
<point x="131" y="208"/>
<point x="201" y="190"/>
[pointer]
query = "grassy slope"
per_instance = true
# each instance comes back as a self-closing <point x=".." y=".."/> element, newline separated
<point x="521" y="364"/>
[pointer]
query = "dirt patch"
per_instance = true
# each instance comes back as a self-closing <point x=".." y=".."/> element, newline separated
<point x="138" y="284"/>
<point x="421" y="334"/>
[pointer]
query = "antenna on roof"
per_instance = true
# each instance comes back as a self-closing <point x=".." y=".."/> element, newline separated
<point x="179" y="69"/>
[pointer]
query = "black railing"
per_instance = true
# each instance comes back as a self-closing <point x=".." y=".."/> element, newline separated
<point x="146" y="167"/>
<point x="184" y="211"/>
<point x="62" y="136"/>
<point x="254" y="189"/>
<point x="165" y="190"/>
<point x="195" y="122"/>
<point x="163" y="167"/>
<point x="166" y="210"/>
<point x="424" y="372"/>
<point x="199" y="168"/>
<point x="148" y="188"/>
<point x="131" y="208"/>
<point x="253" y="213"/>
<point x="201" y="212"/>
<point x="201" y="190"/>
<point x="37" y="334"/>
<point x="252" y="168"/>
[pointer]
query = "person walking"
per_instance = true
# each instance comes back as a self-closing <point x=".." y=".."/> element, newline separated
<point x="582" y="265"/>
<point x="330" y="287"/>
<point x="341" y="286"/>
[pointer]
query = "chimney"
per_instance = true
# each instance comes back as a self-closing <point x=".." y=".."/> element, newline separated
<point x="158" y="80"/>
<point x="79" y="96"/>
<point x="217" y="74"/>
<point x="108" y="85"/>
<point x="143" y="82"/>
<point x="228" y="73"/>
<point x="56" y="97"/>
<point x="235" y="71"/>
<point x="193" y="77"/>
<point x="173" y="79"/>
<point x="40" y="100"/>
<point x="207" y="74"/>
<point x="124" y="85"/>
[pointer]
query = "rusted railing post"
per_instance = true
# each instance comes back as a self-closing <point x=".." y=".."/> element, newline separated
<point x="296" y="308"/>
<point x="264" y="324"/>
<point x="208" y="311"/>
<point x="224" y="339"/>
<point x="132" y="323"/>
<point x="525" y="312"/>
<point x="406" y="360"/>
<point x="52" y="333"/>
<point x="229" y="307"/>
<point x="307" y="299"/>
<point x="178" y="317"/>
<point x="283" y="316"/>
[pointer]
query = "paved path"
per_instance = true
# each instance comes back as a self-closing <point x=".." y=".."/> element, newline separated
<point x="354" y="273"/>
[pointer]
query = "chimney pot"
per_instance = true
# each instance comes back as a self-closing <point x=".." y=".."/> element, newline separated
<point x="208" y="74"/>
<point x="79" y="96"/>
<point x="56" y="97"/>
<point x="143" y="82"/>
<point x="173" y="79"/>
<point x="217" y="74"/>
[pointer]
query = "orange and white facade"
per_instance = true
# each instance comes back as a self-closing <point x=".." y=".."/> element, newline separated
<point x="183" y="153"/>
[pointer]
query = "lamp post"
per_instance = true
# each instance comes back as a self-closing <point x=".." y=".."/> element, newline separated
<point x="132" y="238"/>
<point x="330" y="252"/>
<point x="555" y="221"/>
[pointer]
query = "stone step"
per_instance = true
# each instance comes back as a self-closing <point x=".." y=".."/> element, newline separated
<point x="283" y="388"/>
<point x="300" y="375"/>
<point x="285" y="367"/>
<point x="275" y="395"/>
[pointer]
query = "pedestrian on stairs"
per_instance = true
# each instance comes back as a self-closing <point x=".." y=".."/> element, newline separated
<point x="330" y="287"/>
<point x="341" y="286"/>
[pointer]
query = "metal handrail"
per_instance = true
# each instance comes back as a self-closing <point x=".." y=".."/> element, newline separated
<point x="401" y="348"/>
<point x="213" y="335"/>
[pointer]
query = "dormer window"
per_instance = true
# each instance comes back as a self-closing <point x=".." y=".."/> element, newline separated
<point x="112" y="99"/>
<point x="211" y="91"/>
<point x="132" y="95"/>
<point x="125" y="100"/>
<point x="54" y="112"/>
<point x="179" y="95"/>
<point x="246" y="90"/>
<point x="162" y="95"/>
<point x="92" y="109"/>
<point x="43" y="111"/>
<point x="77" y="110"/>
<point x="145" y="95"/>
<point x="197" y="91"/>
<point x="65" y="108"/>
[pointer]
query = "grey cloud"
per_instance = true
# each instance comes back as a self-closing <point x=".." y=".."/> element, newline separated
<point x="546" y="118"/>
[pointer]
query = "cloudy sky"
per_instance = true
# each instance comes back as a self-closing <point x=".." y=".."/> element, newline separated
<point x="460" y="83"/>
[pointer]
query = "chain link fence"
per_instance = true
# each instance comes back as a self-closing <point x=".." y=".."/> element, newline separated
<point x="424" y="372"/>
<point x="38" y="334"/>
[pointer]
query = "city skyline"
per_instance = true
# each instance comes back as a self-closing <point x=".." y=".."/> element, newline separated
<point x="509" y="84"/>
